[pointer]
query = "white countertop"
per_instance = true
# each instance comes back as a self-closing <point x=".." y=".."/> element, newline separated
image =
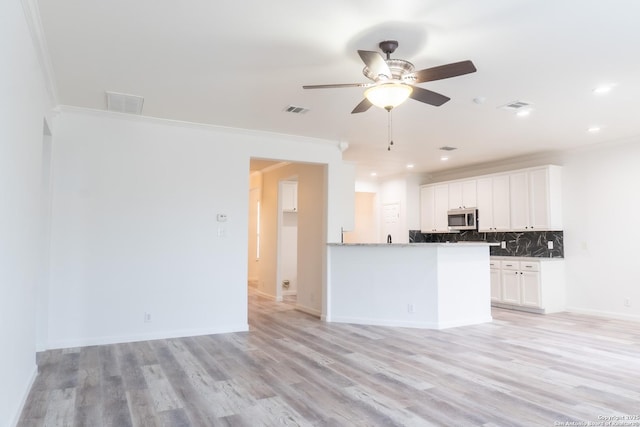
<point x="446" y="244"/>
<point x="524" y="258"/>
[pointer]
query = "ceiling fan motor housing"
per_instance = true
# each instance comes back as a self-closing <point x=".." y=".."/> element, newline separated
<point x="399" y="68"/>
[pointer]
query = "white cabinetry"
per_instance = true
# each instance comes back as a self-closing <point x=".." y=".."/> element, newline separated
<point x="535" y="285"/>
<point x="289" y="196"/>
<point x="493" y="203"/>
<point x="496" y="288"/>
<point x="522" y="200"/>
<point x="535" y="199"/>
<point x="434" y="203"/>
<point x="462" y="194"/>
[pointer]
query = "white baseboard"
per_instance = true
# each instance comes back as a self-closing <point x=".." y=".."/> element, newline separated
<point x="309" y="310"/>
<point x="410" y="324"/>
<point x="269" y="296"/>
<point x="84" y="342"/>
<point x="25" y="396"/>
<point x="601" y="313"/>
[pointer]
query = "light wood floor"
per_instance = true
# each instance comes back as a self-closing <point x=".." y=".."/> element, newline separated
<point x="291" y="369"/>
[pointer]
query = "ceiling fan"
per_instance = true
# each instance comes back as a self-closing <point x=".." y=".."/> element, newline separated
<point x="394" y="79"/>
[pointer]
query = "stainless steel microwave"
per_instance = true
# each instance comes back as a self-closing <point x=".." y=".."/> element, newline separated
<point x="462" y="219"/>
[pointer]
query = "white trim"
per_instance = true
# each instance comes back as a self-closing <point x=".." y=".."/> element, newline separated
<point x="34" y="22"/>
<point x="83" y="342"/>
<point x="605" y="314"/>
<point x="411" y="324"/>
<point x="309" y="310"/>
<point x="268" y="296"/>
<point x="192" y="125"/>
<point x="25" y="396"/>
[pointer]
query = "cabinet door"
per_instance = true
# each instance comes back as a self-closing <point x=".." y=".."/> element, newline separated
<point x="427" y="217"/>
<point x="289" y="196"/>
<point x="539" y="215"/>
<point x="519" y="198"/>
<point x="496" y="293"/>
<point x="485" y="204"/>
<point x="500" y="186"/>
<point x="469" y="194"/>
<point x="455" y="195"/>
<point x="441" y="206"/>
<point x="462" y="194"/>
<point x="530" y="282"/>
<point x="511" y="286"/>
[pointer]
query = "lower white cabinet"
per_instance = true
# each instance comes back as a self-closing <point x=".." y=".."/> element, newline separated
<point x="496" y="287"/>
<point x="528" y="284"/>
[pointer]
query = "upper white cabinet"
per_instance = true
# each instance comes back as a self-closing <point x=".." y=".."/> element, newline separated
<point x="462" y="194"/>
<point x="535" y="199"/>
<point x="289" y="196"/>
<point x="434" y="203"/>
<point x="493" y="203"/>
<point x="522" y="200"/>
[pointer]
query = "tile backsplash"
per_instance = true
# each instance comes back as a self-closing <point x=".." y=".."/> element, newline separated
<point x="522" y="244"/>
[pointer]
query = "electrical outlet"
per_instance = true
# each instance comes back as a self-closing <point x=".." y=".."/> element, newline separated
<point x="503" y="245"/>
<point x="147" y="318"/>
<point x="410" y="308"/>
<point x="627" y="302"/>
<point x="550" y="244"/>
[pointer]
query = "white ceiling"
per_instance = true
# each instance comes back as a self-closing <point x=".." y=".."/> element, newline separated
<point x="240" y="64"/>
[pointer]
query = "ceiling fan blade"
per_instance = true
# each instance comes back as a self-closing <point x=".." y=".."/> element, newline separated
<point x="444" y="71"/>
<point x="364" y="105"/>
<point x="336" y="85"/>
<point x="376" y="63"/>
<point x="428" y="97"/>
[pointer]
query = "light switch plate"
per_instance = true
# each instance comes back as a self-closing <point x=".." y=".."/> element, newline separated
<point x="550" y="244"/>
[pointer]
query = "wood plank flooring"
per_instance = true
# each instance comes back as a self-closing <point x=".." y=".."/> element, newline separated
<point x="293" y="370"/>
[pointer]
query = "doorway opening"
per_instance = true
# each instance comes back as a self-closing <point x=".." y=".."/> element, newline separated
<point x="287" y="229"/>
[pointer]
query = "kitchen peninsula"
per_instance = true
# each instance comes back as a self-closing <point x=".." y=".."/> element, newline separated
<point x="421" y="285"/>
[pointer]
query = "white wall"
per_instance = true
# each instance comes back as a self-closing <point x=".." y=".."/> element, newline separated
<point x="134" y="226"/>
<point x="601" y="198"/>
<point x="23" y="105"/>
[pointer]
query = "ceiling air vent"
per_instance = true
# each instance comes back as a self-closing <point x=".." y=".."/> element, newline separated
<point x="515" y="105"/>
<point x="124" y="103"/>
<point x="447" y="148"/>
<point x="295" y="109"/>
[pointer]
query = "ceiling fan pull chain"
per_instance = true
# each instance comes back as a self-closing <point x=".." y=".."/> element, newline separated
<point x="389" y="141"/>
<point x="390" y="130"/>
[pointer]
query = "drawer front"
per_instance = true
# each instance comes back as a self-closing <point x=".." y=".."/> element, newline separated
<point x="494" y="264"/>
<point x="530" y="265"/>
<point x="510" y="265"/>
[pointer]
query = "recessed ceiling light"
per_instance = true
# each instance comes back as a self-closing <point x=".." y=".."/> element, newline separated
<point x="410" y="166"/>
<point x="594" y="129"/>
<point x="444" y="158"/>
<point x="523" y="113"/>
<point x="601" y="90"/>
<point x="374" y="174"/>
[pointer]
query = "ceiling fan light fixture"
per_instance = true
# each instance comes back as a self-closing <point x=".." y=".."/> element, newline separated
<point x="388" y="95"/>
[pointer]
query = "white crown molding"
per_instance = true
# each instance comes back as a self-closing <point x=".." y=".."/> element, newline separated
<point x="192" y="125"/>
<point x="32" y="17"/>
